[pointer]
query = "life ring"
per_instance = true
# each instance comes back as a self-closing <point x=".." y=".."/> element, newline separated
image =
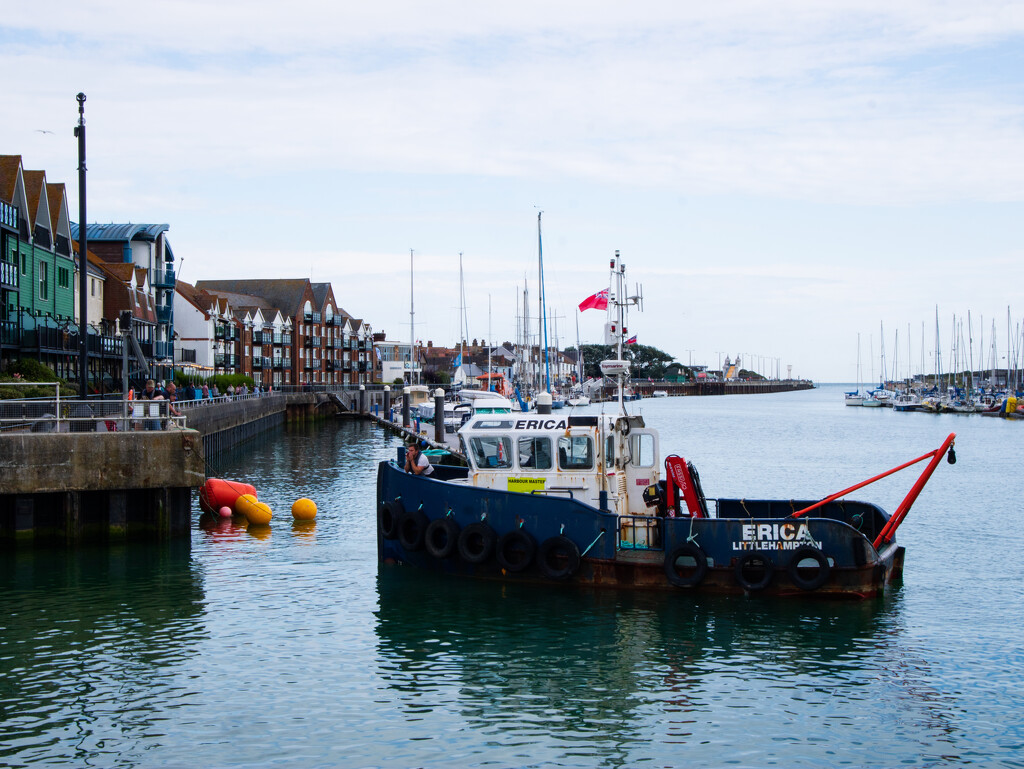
<point x="687" y="576"/>
<point x="442" y="537"/>
<point x="388" y="516"/>
<point x="412" y="527"/>
<point x="476" y="541"/>
<point x="820" y="572"/>
<point x="515" y="550"/>
<point x="559" y="557"/>
<point x="753" y="560"/>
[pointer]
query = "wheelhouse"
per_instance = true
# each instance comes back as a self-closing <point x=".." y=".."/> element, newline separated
<point x="605" y="461"/>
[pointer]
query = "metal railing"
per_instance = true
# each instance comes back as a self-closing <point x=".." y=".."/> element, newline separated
<point x="64" y="415"/>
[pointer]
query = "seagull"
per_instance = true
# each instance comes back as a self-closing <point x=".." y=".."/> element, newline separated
<point x="43" y="131"/>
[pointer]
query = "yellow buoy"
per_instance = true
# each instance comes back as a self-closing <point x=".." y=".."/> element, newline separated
<point x="304" y="509"/>
<point x="244" y="503"/>
<point x="259" y="514"/>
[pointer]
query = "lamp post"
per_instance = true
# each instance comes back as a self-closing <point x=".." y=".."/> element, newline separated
<point x="83" y="259"/>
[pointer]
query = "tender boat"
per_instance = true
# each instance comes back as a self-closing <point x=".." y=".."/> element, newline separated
<point x="592" y="500"/>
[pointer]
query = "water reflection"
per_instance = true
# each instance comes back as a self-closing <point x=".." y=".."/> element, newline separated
<point x="589" y="668"/>
<point x="88" y="643"/>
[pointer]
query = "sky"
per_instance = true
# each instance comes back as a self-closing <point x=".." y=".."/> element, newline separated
<point x="787" y="181"/>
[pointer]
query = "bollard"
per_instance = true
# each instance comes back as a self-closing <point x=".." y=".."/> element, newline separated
<point x="362" y="399"/>
<point x="438" y="415"/>
<point x="406" y="422"/>
<point x="387" y="402"/>
<point x="544" y="403"/>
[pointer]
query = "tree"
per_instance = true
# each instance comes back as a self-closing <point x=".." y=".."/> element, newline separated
<point x="646" y="362"/>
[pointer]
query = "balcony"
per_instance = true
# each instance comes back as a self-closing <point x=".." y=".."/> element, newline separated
<point x="316" y="363"/>
<point x="328" y="343"/>
<point x="329" y="365"/>
<point x="9" y="275"/>
<point x="330" y="321"/>
<point x="163" y="350"/>
<point x="286" y="365"/>
<point x="316" y="317"/>
<point x="219" y="332"/>
<point x="163" y="313"/>
<point x="317" y="340"/>
<point x="277" y="364"/>
<point x="257" y="337"/>
<point x="362" y="366"/>
<point x="307" y="341"/>
<point x="104" y="345"/>
<point x="8" y="215"/>
<point x="285" y="339"/>
<point x="257" y="364"/>
<point x="10" y="334"/>
<point x="218" y="359"/>
<point x="267" y="363"/>
<point x="163" y="278"/>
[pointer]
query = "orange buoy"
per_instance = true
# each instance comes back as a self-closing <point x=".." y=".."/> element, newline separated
<point x="304" y="509"/>
<point x="217" y="493"/>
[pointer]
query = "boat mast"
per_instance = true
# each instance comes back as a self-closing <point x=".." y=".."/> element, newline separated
<point x="490" y="380"/>
<point x="463" y="322"/>
<point x="412" y="321"/>
<point x="542" y="318"/>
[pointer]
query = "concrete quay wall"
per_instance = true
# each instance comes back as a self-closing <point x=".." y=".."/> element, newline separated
<point x="73" y="487"/>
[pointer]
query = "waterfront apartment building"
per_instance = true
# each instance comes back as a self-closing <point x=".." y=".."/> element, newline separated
<point x="141" y="257"/>
<point x="327" y="345"/>
<point x="37" y="303"/>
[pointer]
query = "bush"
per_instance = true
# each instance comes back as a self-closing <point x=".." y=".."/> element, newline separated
<point x="30" y="371"/>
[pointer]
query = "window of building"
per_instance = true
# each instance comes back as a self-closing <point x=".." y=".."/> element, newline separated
<point x="24" y="263"/>
<point x="63" y="277"/>
<point x="92" y="286"/>
<point x="44" y="282"/>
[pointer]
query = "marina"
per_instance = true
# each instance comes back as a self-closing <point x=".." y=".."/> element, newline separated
<point x="133" y="656"/>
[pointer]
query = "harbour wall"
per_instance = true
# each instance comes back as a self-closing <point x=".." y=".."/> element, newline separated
<point x="66" y="488"/>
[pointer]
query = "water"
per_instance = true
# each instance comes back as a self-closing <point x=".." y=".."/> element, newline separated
<point x="292" y="648"/>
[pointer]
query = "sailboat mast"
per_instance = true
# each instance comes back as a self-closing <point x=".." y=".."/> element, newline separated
<point x="412" y="320"/>
<point x="463" y="325"/>
<point x="543" y="318"/>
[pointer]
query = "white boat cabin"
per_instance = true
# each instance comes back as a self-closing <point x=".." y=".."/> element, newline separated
<point x="581" y="456"/>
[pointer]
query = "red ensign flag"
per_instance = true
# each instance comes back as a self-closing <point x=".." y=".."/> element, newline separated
<point x="598" y="301"/>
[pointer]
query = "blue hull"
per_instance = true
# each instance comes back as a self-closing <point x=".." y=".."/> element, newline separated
<point x="750" y="546"/>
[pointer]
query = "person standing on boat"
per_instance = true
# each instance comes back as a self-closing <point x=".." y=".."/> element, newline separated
<point x="416" y="462"/>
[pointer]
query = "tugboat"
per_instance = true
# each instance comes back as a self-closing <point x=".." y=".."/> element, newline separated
<point x="582" y="499"/>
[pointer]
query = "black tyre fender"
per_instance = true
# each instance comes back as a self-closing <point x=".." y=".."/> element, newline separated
<point x="388" y="516"/>
<point x="442" y="537"/>
<point x="750" y="559"/>
<point x="700" y="565"/>
<point x="412" y="528"/>
<point x="559" y="557"/>
<point x="515" y="550"/>
<point x="476" y="542"/>
<point x="820" y="576"/>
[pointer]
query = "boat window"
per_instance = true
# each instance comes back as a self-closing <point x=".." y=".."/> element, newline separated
<point x="491" y="452"/>
<point x="609" y="451"/>
<point x="535" y="453"/>
<point x="492" y="424"/>
<point x="641" y="446"/>
<point x="575" y="452"/>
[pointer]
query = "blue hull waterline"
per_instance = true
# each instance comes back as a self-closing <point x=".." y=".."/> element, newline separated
<point x="753" y="545"/>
